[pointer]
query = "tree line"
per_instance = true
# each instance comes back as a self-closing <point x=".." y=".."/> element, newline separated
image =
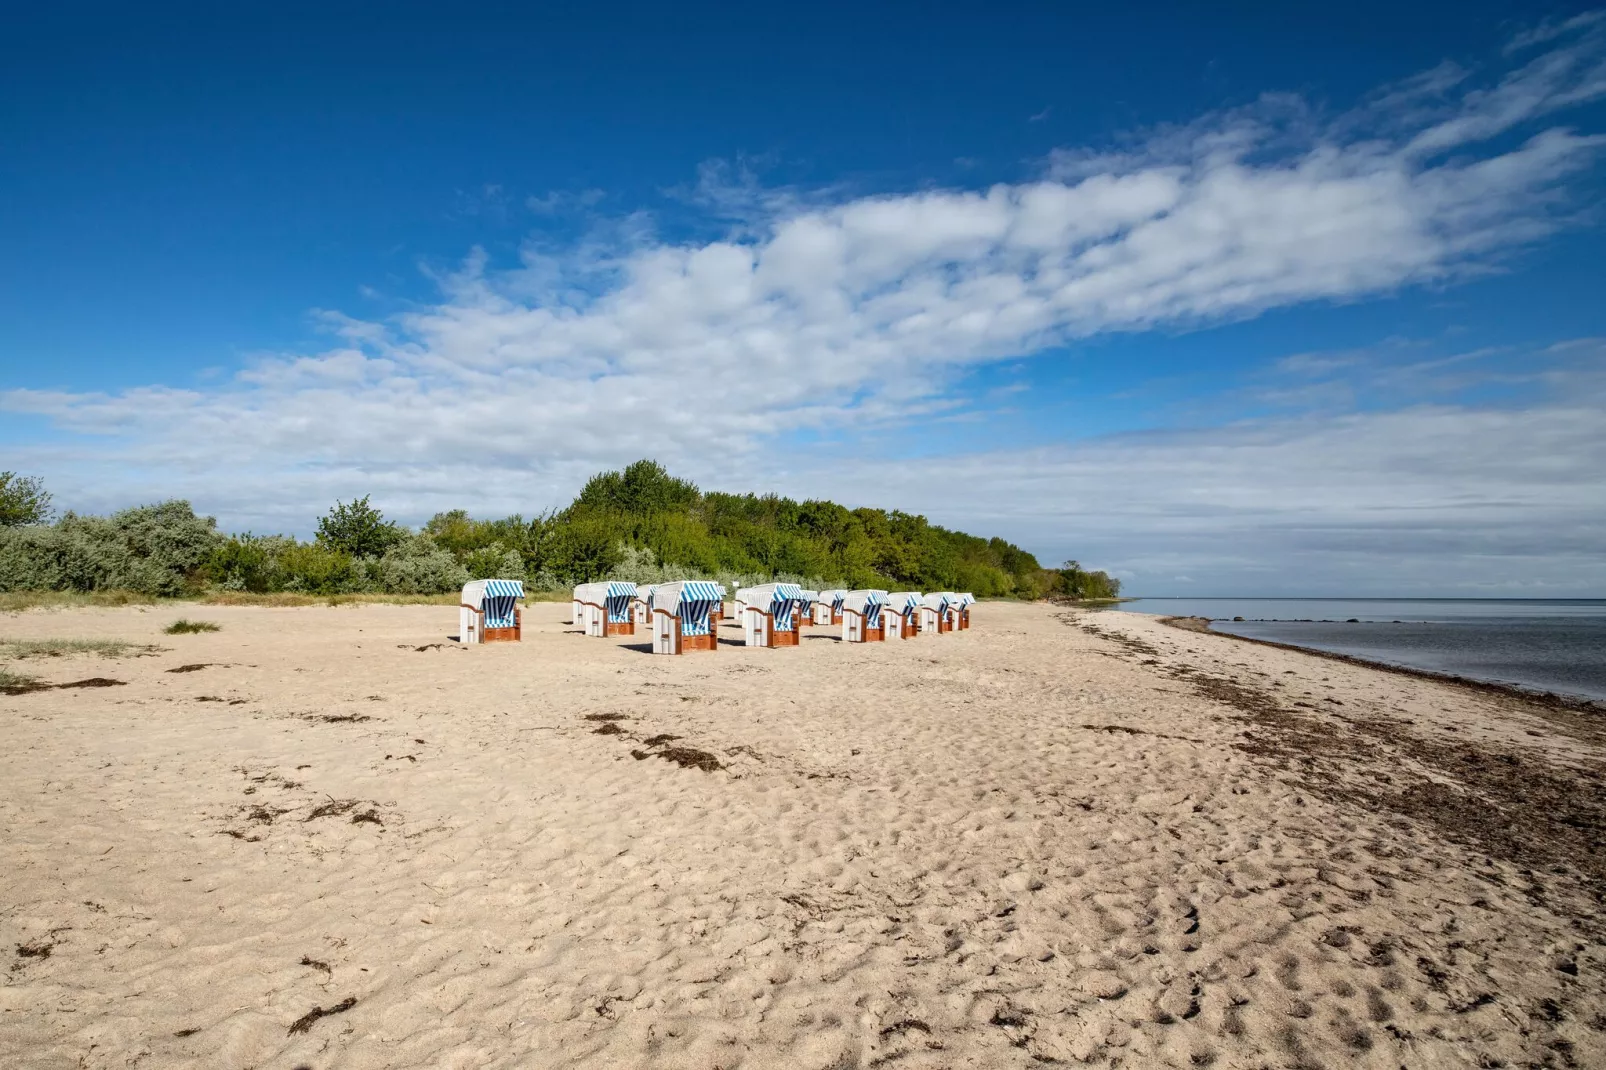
<point x="640" y="524"/>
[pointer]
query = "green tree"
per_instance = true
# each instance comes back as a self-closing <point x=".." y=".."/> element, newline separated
<point x="358" y="529"/>
<point x="23" y="500"/>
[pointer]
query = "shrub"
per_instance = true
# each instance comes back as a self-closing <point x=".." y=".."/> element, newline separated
<point x="418" y="566"/>
<point x="358" y="529"/>
<point x="23" y="500"/>
<point x="191" y="627"/>
<point x="153" y="549"/>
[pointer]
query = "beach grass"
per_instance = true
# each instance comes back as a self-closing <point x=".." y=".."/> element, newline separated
<point x="15" y="681"/>
<point x="184" y="626"/>
<point x="58" y="648"/>
<point x="17" y="601"/>
<point x="294" y="599"/>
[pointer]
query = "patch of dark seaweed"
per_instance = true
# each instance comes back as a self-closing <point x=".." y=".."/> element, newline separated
<point x="906" y="1026"/>
<point x="1500" y="803"/>
<point x="94" y="681"/>
<point x="332" y="808"/>
<point x="606" y="717"/>
<point x="608" y="729"/>
<point x="658" y="741"/>
<point x="1136" y="646"/>
<point x="197" y="667"/>
<point x="306" y="1021"/>
<point x="34" y="951"/>
<point x="263" y="815"/>
<point x="369" y="817"/>
<point x="336" y="718"/>
<point x="685" y="757"/>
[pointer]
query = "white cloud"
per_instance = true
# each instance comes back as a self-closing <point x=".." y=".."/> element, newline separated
<point x="1428" y="499"/>
<point x="835" y="316"/>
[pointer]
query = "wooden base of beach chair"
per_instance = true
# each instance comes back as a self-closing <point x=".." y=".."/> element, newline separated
<point x="783" y="639"/>
<point x="500" y="635"/>
<point x="874" y="635"/>
<point x="708" y="642"/>
<point x="614" y="627"/>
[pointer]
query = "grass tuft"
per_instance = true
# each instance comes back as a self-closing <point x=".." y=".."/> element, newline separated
<point x="15" y="683"/>
<point x="183" y="626"/>
<point x="58" y="648"/>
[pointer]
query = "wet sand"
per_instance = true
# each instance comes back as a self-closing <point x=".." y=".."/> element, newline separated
<point x="343" y="841"/>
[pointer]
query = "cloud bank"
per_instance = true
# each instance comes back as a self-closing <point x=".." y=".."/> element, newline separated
<point x="833" y="318"/>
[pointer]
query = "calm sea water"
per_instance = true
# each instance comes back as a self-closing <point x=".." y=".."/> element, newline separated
<point x="1546" y="644"/>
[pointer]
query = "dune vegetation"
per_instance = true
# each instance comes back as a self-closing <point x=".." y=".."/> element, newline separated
<point x="640" y="524"/>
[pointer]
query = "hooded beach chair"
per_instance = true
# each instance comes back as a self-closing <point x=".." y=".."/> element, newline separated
<point x="641" y="604"/>
<point x="683" y="616"/>
<point x="901" y="618"/>
<point x="770" y="614"/>
<point x="806" y="601"/>
<point x="938" y="612"/>
<point x="606" y="607"/>
<point x="828" y="607"/>
<point x="488" y="612"/>
<point x="962" y="611"/>
<point x="861" y="616"/>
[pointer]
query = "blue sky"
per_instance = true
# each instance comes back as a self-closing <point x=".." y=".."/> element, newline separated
<point x="1271" y="301"/>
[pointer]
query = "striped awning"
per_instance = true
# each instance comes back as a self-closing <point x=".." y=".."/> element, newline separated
<point x="692" y="601"/>
<point x="476" y="592"/>
<point x="865" y="602"/>
<point x="939" y="600"/>
<point x="496" y="599"/>
<point x="904" y="602"/>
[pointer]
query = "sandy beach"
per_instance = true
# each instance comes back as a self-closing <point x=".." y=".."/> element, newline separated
<point x="330" y="838"/>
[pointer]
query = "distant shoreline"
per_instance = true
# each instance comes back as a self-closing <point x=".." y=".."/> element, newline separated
<point x="1573" y="703"/>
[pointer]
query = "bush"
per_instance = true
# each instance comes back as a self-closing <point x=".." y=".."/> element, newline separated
<point x="154" y="549"/>
<point x="191" y="627"/>
<point x="418" y="566"/>
<point x="358" y="530"/>
<point x="23" y="500"/>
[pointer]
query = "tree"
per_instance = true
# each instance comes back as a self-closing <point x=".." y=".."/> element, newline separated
<point x="358" y="529"/>
<point x="23" y="500"/>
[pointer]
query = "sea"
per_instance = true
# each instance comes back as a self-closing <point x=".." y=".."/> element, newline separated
<point x="1541" y="644"/>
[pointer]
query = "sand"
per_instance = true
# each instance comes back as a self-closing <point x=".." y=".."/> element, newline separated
<point x="1057" y="838"/>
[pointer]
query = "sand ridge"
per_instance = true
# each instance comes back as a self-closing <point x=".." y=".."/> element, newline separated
<point x="342" y="845"/>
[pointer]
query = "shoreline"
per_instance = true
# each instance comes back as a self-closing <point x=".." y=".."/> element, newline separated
<point x="1570" y="703"/>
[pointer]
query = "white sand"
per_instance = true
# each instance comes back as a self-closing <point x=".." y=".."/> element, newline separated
<point x="924" y="853"/>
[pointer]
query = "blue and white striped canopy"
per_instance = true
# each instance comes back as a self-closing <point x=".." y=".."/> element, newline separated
<point x="867" y="602"/>
<point x="693" y="601"/>
<point x="619" y="594"/>
<point x="904" y="603"/>
<point x="779" y="600"/>
<point x="495" y="598"/>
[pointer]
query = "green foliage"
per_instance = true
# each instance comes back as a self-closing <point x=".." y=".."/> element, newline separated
<point x="191" y="627"/>
<point x="153" y="549"/>
<point x="640" y="524"/>
<point x="23" y="500"/>
<point x="1074" y="582"/>
<point x="358" y="529"/>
